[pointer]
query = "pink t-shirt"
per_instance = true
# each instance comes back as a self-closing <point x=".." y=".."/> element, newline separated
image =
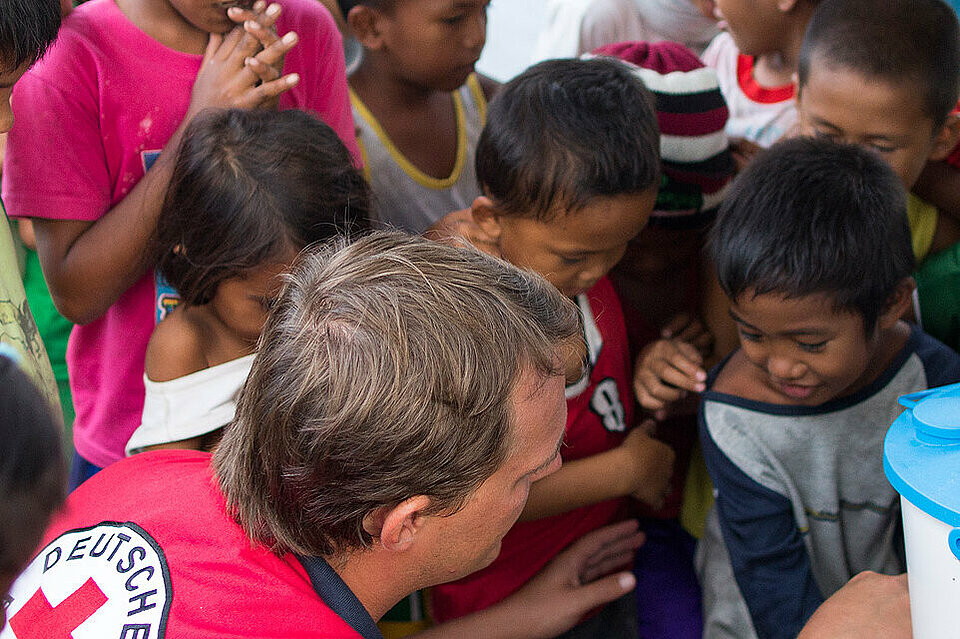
<point x="92" y="116"/>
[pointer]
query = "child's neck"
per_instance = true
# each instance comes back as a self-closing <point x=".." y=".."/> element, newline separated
<point x="378" y="86"/>
<point x="421" y="122"/>
<point x="162" y="23"/>
<point x="221" y="344"/>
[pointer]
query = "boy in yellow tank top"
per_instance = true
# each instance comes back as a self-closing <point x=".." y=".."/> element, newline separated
<point x="418" y="105"/>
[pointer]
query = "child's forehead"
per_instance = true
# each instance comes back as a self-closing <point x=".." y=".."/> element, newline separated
<point x="818" y="311"/>
<point x="851" y="81"/>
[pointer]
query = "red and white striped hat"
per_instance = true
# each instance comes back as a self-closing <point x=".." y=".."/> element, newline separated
<point x="697" y="164"/>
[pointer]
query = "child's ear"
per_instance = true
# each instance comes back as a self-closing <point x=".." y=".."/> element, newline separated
<point x="364" y="21"/>
<point x="946" y="138"/>
<point x="487" y="217"/>
<point x="900" y="304"/>
<point x="396" y="528"/>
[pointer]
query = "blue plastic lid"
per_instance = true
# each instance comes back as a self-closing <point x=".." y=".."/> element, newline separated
<point x="921" y="453"/>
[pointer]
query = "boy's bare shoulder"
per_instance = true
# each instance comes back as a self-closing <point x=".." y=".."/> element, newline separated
<point x="738" y="378"/>
<point x="176" y="347"/>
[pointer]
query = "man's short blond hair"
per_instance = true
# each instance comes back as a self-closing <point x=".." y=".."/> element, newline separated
<point x="385" y="372"/>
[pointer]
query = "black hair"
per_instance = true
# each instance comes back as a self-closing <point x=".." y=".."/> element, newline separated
<point x="913" y="42"/>
<point x="33" y="475"/>
<point x="566" y="131"/>
<point x="247" y="186"/>
<point x="812" y="216"/>
<point x="27" y="27"/>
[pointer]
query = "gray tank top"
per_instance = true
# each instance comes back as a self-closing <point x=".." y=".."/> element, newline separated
<point x="405" y="197"/>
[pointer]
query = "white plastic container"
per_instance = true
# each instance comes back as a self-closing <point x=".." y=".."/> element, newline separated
<point x="921" y="457"/>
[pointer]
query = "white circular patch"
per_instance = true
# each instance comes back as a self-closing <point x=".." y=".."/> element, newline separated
<point x="109" y="581"/>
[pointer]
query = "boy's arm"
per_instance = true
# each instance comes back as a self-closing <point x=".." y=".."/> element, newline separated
<point x="641" y="466"/>
<point x="88" y="264"/>
<point x="767" y="552"/>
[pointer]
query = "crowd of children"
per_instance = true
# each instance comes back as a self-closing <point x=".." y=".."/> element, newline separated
<point x="761" y="236"/>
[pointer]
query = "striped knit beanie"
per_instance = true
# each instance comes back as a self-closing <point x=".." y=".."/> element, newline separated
<point x="697" y="164"/>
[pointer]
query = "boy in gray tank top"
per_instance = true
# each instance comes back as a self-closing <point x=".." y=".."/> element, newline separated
<point x="418" y="105"/>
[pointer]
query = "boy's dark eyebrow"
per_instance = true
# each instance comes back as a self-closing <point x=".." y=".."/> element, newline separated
<point x="740" y="320"/>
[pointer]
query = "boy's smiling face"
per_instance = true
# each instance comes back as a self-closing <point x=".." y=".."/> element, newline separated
<point x="804" y="351"/>
<point x="844" y="105"/>
<point x="573" y="249"/>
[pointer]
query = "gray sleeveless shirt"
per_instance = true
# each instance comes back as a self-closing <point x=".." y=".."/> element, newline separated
<point x="405" y="197"/>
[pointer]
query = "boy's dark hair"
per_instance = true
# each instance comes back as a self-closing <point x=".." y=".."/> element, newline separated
<point x="33" y="477"/>
<point x="247" y="186"/>
<point x="566" y="131"/>
<point x="903" y="42"/>
<point x="27" y="27"/>
<point x="811" y="216"/>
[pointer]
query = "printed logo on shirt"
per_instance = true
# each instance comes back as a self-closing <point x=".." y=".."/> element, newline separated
<point x="606" y="405"/>
<point x="166" y="297"/>
<point x="107" y="581"/>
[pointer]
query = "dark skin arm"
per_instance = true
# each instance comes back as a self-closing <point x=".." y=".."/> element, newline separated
<point x="84" y="279"/>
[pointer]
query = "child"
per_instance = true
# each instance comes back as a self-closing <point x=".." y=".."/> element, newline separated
<point x="887" y="76"/>
<point x="418" y="105"/>
<point x="569" y="163"/>
<point x="812" y="248"/>
<point x="249" y="190"/>
<point x="26" y="30"/>
<point x="109" y="101"/>
<point x="659" y="283"/>
<point x="33" y="475"/>
<point x="575" y="27"/>
<point x="755" y="61"/>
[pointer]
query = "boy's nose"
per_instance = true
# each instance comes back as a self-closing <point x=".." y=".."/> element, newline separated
<point x="476" y="35"/>
<point x="785" y="368"/>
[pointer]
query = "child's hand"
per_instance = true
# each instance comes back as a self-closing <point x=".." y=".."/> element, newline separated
<point x="666" y="371"/>
<point x="691" y="330"/>
<point x="650" y="465"/>
<point x="578" y="579"/>
<point x="225" y="81"/>
<point x="259" y="23"/>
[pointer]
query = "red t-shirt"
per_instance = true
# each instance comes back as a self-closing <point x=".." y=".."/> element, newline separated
<point x="599" y="412"/>
<point x="145" y="550"/>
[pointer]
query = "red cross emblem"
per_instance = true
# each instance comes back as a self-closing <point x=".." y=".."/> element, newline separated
<point x="37" y="619"/>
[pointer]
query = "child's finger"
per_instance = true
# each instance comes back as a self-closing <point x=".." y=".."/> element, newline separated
<point x="652" y="393"/>
<point x="676" y="324"/>
<point x="213" y="45"/>
<point x="274" y="54"/>
<point x="268" y="90"/>
<point x="260" y="12"/>
<point x="679" y="378"/>
<point x="607" y="565"/>
<point x="266" y="72"/>
<point x="229" y="43"/>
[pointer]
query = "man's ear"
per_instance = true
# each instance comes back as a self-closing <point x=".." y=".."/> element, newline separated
<point x="946" y="138"/>
<point x="365" y="22"/>
<point x="900" y="304"/>
<point x="397" y="527"/>
<point x="487" y="217"/>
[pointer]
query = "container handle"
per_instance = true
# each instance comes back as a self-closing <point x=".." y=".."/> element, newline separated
<point x="912" y="399"/>
<point x="954" y="540"/>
